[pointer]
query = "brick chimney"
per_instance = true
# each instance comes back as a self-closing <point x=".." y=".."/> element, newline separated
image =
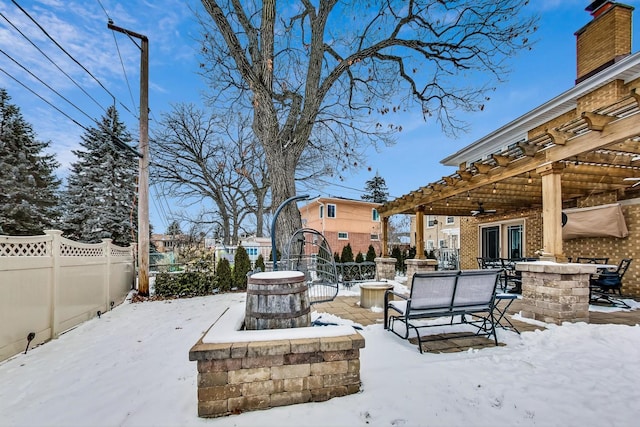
<point x="605" y="40"/>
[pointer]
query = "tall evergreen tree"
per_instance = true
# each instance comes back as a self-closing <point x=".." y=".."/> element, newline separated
<point x="174" y="229"/>
<point x="376" y="189"/>
<point x="241" y="266"/>
<point x="371" y="254"/>
<point x="29" y="200"/>
<point x="347" y="253"/>
<point x="101" y="189"/>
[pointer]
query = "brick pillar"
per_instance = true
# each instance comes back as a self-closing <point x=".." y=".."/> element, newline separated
<point x="385" y="268"/>
<point x="555" y="293"/>
<point x="419" y="266"/>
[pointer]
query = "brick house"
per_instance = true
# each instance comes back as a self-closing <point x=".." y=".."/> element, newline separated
<point x="343" y="221"/>
<point x="580" y="150"/>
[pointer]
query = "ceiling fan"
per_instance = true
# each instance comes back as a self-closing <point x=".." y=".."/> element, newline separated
<point x="481" y="210"/>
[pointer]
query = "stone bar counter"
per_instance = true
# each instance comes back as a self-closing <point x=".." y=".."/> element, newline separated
<point x="555" y="292"/>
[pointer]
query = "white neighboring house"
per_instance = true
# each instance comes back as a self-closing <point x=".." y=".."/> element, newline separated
<point x="255" y="246"/>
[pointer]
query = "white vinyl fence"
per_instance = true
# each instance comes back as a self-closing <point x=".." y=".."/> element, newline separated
<point x="49" y="284"/>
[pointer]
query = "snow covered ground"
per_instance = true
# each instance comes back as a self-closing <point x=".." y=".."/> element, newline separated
<point x="131" y="368"/>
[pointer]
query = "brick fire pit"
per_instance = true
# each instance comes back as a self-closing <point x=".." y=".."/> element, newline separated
<point x="242" y="370"/>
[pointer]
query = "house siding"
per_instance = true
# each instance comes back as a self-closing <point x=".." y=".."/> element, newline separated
<point x="352" y="216"/>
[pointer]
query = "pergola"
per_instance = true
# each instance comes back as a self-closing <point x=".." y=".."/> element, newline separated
<point x="591" y="154"/>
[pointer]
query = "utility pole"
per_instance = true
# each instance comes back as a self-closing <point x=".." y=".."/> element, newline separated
<point x="143" y="163"/>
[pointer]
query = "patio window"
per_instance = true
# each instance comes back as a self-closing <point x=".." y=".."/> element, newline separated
<point x="375" y="216"/>
<point x="430" y="245"/>
<point x="331" y="211"/>
<point x="502" y="240"/>
<point x="343" y="235"/>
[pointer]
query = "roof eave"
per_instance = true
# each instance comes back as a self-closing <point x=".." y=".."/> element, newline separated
<point x="626" y="69"/>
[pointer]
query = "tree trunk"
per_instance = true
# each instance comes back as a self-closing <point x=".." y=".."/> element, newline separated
<point x="282" y="168"/>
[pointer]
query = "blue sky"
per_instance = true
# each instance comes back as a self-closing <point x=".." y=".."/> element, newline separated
<point x="80" y="26"/>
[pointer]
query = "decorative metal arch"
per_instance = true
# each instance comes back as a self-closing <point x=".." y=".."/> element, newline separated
<point x="309" y="252"/>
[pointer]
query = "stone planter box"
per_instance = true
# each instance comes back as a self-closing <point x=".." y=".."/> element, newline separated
<point x="242" y="370"/>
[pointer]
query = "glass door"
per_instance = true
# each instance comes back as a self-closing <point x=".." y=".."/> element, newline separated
<point x="514" y="241"/>
<point x="490" y="242"/>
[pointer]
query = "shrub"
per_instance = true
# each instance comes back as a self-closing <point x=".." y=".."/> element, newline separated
<point x="197" y="278"/>
<point x="260" y="263"/>
<point x="359" y="257"/>
<point x="224" y="279"/>
<point x="371" y="254"/>
<point x="397" y="254"/>
<point x="347" y="254"/>
<point x="241" y="266"/>
<point x="277" y="254"/>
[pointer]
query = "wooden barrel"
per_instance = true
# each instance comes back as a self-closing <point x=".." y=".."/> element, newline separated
<point x="277" y="300"/>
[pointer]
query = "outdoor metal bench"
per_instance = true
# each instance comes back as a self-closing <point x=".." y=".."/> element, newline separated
<point x="466" y="297"/>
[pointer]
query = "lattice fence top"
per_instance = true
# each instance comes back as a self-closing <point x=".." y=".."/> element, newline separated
<point x="117" y="251"/>
<point x="77" y="250"/>
<point x="29" y="246"/>
<point x="23" y="249"/>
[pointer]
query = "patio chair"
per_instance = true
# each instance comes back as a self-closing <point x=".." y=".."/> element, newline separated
<point x="512" y="281"/>
<point x="605" y="284"/>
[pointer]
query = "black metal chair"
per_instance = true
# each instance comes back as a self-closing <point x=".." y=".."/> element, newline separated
<point x="485" y="263"/>
<point x="512" y="278"/>
<point x="489" y="263"/>
<point x="606" y="283"/>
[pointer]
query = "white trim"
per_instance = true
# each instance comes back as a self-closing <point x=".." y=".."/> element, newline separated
<point x="346" y="237"/>
<point x="335" y="210"/>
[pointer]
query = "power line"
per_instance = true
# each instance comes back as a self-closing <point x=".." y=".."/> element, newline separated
<point x="119" y="55"/>
<point x="119" y="142"/>
<point x="45" y="100"/>
<point x="105" y="10"/>
<point x="126" y="78"/>
<point x="49" y="87"/>
<point x="360" y="191"/>
<point x="70" y="56"/>
<point x="53" y="62"/>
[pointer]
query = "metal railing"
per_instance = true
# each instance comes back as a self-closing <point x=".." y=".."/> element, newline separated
<point x="350" y="273"/>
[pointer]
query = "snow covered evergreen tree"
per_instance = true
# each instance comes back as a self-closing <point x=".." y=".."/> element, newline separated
<point x="29" y="200"/>
<point x="100" y="198"/>
<point x="376" y="189"/>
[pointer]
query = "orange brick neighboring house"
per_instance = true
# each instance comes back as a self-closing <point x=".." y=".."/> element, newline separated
<point x="343" y="221"/>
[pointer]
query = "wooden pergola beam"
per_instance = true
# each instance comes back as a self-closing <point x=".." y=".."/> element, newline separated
<point x="528" y="150"/>
<point x="596" y="121"/>
<point x="558" y="137"/>
<point x="465" y="175"/>
<point x="616" y="132"/>
<point x="482" y="168"/>
<point x="501" y="160"/>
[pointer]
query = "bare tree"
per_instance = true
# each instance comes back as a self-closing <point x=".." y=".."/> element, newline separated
<point x="199" y="157"/>
<point x="326" y="73"/>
